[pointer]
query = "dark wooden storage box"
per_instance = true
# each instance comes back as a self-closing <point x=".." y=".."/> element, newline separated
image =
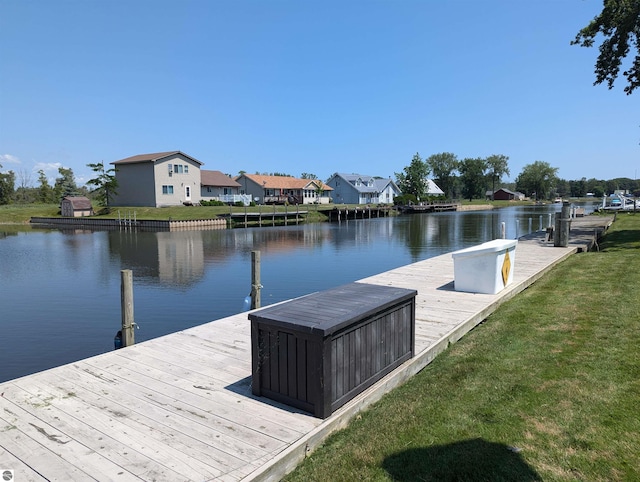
<point x="318" y="352"/>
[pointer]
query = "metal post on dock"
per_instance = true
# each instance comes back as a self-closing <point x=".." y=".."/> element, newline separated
<point x="517" y="228"/>
<point x="126" y="298"/>
<point x="255" y="280"/>
<point x="503" y="230"/>
<point x="530" y="225"/>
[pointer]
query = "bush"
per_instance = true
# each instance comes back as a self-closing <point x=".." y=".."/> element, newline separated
<point x="211" y="203"/>
<point x="404" y="200"/>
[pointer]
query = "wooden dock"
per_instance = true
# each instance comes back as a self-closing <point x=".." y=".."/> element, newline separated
<point x="338" y="214"/>
<point x="180" y="407"/>
<point x="430" y="208"/>
<point x="266" y="217"/>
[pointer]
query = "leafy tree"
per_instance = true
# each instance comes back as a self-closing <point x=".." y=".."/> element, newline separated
<point x="413" y="179"/>
<point x="578" y="188"/>
<point x="473" y="177"/>
<point x="563" y="188"/>
<point x="308" y="175"/>
<point x="537" y="179"/>
<point x="443" y="166"/>
<point x="497" y="166"/>
<point x="7" y="186"/>
<point x="45" y="191"/>
<point x="105" y="183"/>
<point x="65" y="185"/>
<point x="619" y="23"/>
<point x="596" y="186"/>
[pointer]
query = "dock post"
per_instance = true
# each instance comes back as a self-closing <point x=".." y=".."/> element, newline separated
<point x="530" y="225"/>
<point x="503" y="230"/>
<point x="563" y="224"/>
<point x="126" y="298"/>
<point x="255" y="280"/>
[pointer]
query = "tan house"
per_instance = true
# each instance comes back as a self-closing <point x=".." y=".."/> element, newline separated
<point x="158" y="179"/>
<point x="216" y="186"/>
<point x="284" y="189"/>
<point x="76" y="206"/>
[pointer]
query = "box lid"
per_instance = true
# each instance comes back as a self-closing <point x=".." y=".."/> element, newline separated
<point x="494" y="246"/>
<point x="326" y="312"/>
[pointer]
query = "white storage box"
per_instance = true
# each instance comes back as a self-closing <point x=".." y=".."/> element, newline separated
<point x="485" y="268"/>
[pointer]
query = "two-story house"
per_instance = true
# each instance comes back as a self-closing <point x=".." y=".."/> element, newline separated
<point x="157" y="179"/>
<point x="362" y="189"/>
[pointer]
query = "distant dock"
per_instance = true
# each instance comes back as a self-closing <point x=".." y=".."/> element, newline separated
<point x="180" y="407"/>
<point x="361" y="212"/>
<point x="429" y="208"/>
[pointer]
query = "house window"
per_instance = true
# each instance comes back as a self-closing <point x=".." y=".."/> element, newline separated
<point x="170" y="169"/>
<point x="186" y="168"/>
<point x="178" y="168"/>
<point x="167" y="189"/>
<point x="208" y="189"/>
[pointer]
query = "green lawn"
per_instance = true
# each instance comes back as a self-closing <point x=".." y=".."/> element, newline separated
<point x="547" y="388"/>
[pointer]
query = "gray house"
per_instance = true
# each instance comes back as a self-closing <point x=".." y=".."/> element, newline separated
<point x="362" y="189"/>
<point x="157" y="179"/>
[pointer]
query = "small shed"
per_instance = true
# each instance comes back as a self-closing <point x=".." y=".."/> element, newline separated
<point x="503" y="194"/>
<point x="76" y="207"/>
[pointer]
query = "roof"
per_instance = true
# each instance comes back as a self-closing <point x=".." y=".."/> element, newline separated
<point x="79" y="202"/>
<point x="216" y="178"/>
<point x="283" y="182"/>
<point x="153" y="157"/>
<point x="432" y="188"/>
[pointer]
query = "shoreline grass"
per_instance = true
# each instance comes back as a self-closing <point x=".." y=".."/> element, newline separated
<point x="547" y="388"/>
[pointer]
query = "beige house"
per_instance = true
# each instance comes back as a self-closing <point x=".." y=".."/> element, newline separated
<point x="284" y="189"/>
<point x="158" y="179"/>
<point x="76" y="206"/>
<point x="216" y="186"/>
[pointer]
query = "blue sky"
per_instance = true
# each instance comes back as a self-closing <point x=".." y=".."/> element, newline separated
<point x="308" y="86"/>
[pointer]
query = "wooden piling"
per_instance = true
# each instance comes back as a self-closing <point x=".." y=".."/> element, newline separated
<point x="126" y="298"/>
<point x="255" y="280"/>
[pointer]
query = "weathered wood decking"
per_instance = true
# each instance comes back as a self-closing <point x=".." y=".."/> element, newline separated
<point x="180" y="407"/>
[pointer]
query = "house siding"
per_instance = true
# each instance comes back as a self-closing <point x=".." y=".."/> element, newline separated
<point x="140" y="183"/>
<point x="346" y="192"/>
<point x="136" y="185"/>
<point x="179" y="181"/>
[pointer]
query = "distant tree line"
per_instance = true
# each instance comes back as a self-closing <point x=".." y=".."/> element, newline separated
<point x="472" y="178"/>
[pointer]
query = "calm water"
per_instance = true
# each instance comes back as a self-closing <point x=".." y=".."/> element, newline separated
<point x="60" y="291"/>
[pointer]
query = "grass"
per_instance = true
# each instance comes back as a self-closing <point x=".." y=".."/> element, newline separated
<point x="21" y="213"/>
<point x="547" y="388"/>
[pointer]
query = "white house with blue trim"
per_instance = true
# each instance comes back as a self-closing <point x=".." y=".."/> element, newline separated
<point x="362" y="189"/>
